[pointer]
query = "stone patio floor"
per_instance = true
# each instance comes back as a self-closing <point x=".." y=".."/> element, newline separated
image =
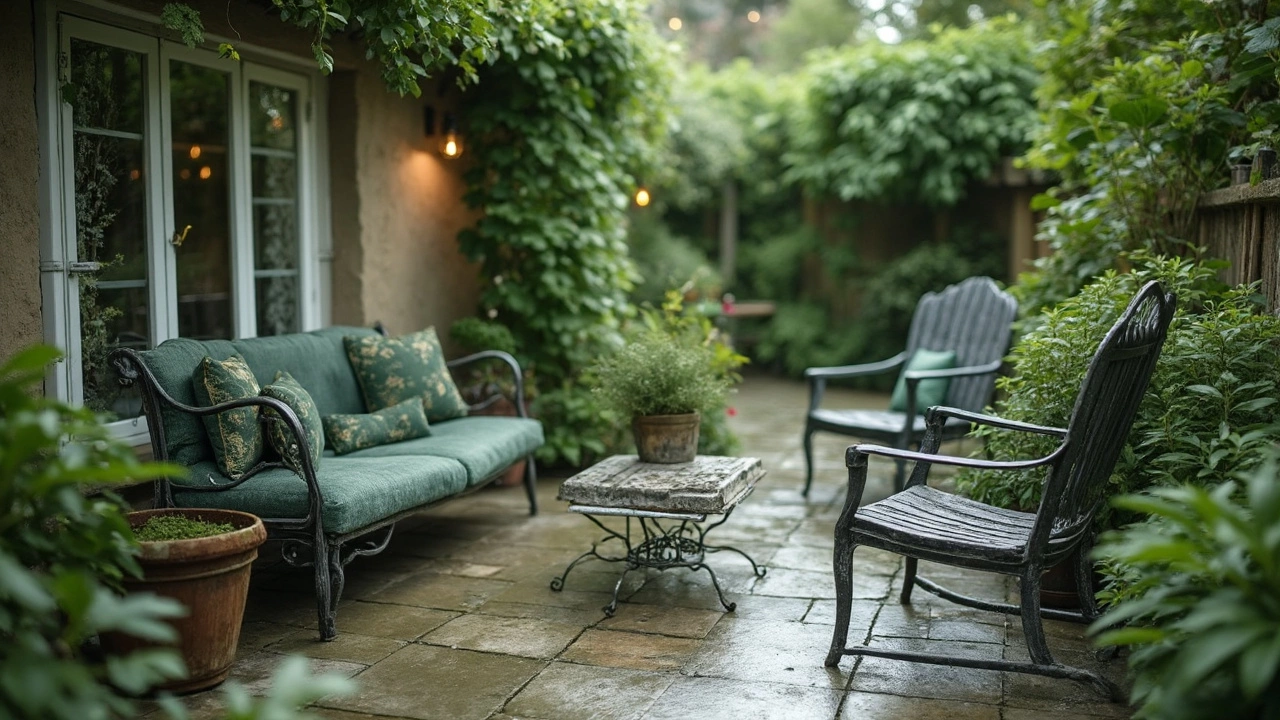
<point x="456" y="619"/>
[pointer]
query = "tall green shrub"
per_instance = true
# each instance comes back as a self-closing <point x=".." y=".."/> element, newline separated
<point x="1210" y="408"/>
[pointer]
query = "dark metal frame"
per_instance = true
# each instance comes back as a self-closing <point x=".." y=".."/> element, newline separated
<point x="304" y="539"/>
<point x="923" y="523"/>
<point x="974" y="318"/>
<point x="681" y="545"/>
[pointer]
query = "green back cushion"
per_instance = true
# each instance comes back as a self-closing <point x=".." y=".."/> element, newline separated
<point x="392" y="370"/>
<point x="235" y="435"/>
<point x="287" y="390"/>
<point x="348" y="433"/>
<point x="316" y="359"/>
<point x="928" y="392"/>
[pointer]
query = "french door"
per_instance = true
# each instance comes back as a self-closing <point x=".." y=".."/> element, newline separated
<point x="186" y="200"/>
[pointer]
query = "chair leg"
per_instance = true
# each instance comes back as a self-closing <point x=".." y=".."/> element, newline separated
<point x="908" y="581"/>
<point x="1084" y="583"/>
<point x="808" y="460"/>
<point x="842" y="566"/>
<point x="899" y="475"/>
<point x="1032" y="624"/>
<point x="531" y="484"/>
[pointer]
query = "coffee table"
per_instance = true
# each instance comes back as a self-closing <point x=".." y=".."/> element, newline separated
<point x="668" y="504"/>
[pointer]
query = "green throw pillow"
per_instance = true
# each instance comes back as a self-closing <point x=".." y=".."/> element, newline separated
<point x="392" y="370"/>
<point x="928" y="392"/>
<point x="287" y="390"/>
<point x="348" y="433"/>
<point x="234" y="434"/>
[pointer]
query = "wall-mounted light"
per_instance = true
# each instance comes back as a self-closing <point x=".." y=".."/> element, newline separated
<point x="450" y="139"/>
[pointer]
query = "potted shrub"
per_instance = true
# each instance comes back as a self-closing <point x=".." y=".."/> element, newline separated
<point x="663" y="378"/>
<point x="201" y="558"/>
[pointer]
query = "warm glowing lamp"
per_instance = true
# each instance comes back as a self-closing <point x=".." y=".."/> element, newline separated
<point x="675" y="23"/>
<point x="642" y="197"/>
<point x="753" y="16"/>
<point x="450" y="139"/>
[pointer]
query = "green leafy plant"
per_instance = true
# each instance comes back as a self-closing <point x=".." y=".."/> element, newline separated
<point x="1210" y="407"/>
<point x="1205" y="624"/>
<point x="62" y="556"/>
<point x="917" y="121"/>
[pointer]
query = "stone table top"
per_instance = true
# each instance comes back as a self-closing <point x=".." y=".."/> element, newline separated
<point x="710" y="485"/>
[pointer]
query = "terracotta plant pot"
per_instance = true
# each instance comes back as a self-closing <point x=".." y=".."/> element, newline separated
<point x="666" y="438"/>
<point x="210" y="576"/>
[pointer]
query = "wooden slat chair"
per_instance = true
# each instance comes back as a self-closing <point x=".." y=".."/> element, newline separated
<point x="975" y="319"/>
<point x="922" y="523"/>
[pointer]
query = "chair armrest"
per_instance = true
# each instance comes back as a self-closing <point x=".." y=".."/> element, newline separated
<point x="848" y="371"/>
<point x="818" y="376"/>
<point x="509" y="361"/>
<point x="967" y="371"/>
<point x="941" y="412"/>
<point x="855" y="451"/>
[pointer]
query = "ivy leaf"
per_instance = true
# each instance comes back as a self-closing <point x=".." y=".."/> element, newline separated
<point x="1143" y="112"/>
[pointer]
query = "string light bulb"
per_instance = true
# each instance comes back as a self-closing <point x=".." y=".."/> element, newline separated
<point x="642" y="197"/>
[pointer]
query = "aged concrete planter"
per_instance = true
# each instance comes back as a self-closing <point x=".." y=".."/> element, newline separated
<point x="666" y="438"/>
<point x="210" y="576"/>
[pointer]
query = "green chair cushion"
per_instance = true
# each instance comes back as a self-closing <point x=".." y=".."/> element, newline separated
<point x="392" y="370"/>
<point x="485" y="445"/>
<point x="235" y="435"/>
<point x="316" y="359"/>
<point x="356" y="492"/>
<point x="288" y="391"/>
<point x="348" y="433"/>
<point x="928" y="392"/>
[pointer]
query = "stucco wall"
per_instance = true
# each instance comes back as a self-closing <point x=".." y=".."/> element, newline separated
<point x="411" y="274"/>
<point x="20" y="320"/>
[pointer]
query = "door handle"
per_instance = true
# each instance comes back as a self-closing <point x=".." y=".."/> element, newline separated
<point x="180" y="237"/>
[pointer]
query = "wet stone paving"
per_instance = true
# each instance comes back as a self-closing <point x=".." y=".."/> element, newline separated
<point x="457" y="621"/>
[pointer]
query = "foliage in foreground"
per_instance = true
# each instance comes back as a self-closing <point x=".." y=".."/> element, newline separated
<point x="1210" y="408"/>
<point x="62" y="557"/>
<point x="1205" y="630"/>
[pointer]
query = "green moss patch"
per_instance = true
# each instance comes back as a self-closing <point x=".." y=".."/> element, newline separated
<point x="178" y="527"/>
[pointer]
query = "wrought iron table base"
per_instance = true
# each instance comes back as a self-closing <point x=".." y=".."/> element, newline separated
<point x="675" y="545"/>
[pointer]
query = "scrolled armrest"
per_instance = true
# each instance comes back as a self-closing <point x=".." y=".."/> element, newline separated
<point x="854" y="451"/>
<point x="507" y="359"/>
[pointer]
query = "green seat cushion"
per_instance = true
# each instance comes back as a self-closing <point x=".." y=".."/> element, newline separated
<point x="348" y="433"/>
<point x="235" y="434"/>
<point x="356" y="493"/>
<point x="392" y="370"/>
<point x="928" y="392"/>
<point x="317" y="359"/>
<point x="485" y="445"/>
<point x="288" y="391"/>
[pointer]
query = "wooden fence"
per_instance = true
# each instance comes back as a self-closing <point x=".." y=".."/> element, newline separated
<point x="1241" y="224"/>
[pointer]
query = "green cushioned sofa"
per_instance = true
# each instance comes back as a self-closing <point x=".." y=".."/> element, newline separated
<point x="342" y="507"/>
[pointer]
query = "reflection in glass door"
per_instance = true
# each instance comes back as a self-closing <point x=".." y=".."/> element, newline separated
<point x="110" y="197"/>
<point x="200" y="111"/>
<point x="273" y="150"/>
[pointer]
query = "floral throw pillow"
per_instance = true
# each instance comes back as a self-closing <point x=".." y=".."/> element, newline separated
<point x="404" y="421"/>
<point x="287" y="390"/>
<point x="392" y="370"/>
<point x="234" y="434"/>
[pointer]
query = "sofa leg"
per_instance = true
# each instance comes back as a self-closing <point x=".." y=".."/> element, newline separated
<point x="325" y="607"/>
<point x="531" y="484"/>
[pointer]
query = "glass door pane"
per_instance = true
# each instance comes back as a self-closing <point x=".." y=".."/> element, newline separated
<point x="273" y="139"/>
<point x="200" y="108"/>
<point x="108" y="148"/>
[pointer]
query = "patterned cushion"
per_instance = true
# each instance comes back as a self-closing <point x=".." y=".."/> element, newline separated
<point x="234" y="434"/>
<point x="405" y="421"/>
<point x="392" y="370"/>
<point x="287" y="390"/>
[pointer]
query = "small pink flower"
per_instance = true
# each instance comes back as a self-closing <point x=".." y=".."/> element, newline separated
<point x="731" y="412"/>
<point x="726" y="307"/>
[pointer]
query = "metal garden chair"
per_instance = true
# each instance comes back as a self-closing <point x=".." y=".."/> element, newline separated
<point x="926" y="524"/>
<point x="974" y="318"/>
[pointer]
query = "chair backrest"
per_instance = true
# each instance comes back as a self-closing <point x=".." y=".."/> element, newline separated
<point x="974" y="318"/>
<point x="1106" y="405"/>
